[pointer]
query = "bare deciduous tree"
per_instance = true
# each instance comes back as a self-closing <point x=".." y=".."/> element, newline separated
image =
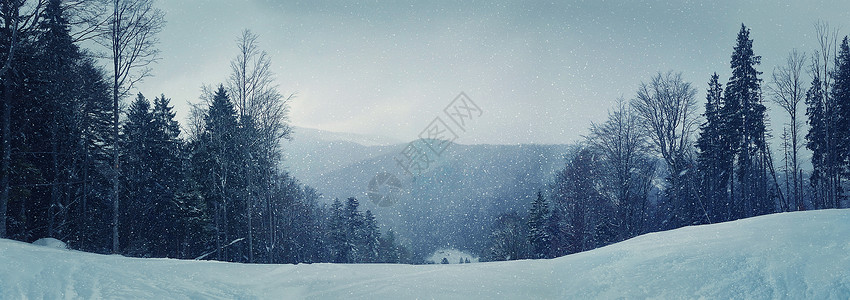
<point x="623" y="148"/>
<point x="255" y="93"/>
<point x="130" y="35"/>
<point x="827" y="188"/>
<point x="256" y="97"/>
<point x="667" y="108"/>
<point x="787" y="90"/>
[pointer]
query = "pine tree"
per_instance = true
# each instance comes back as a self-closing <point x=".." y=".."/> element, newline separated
<point x="713" y="158"/>
<point x="354" y="222"/>
<point x="166" y="167"/>
<point x="58" y="60"/>
<point x="371" y="238"/>
<point x="215" y="162"/>
<point x="137" y="213"/>
<point x="745" y="116"/>
<point x="337" y="234"/>
<point x="388" y="250"/>
<point x="816" y="141"/>
<point x="91" y="125"/>
<point x="538" y="235"/>
<point x="840" y="96"/>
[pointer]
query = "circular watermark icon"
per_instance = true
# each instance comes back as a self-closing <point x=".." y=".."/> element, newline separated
<point x="384" y="189"/>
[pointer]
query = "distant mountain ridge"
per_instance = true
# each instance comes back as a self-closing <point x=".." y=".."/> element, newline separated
<point x="450" y="204"/>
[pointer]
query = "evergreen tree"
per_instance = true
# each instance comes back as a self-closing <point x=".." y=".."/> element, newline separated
<point x="826" y="107"/>
<point x="354" y="222"/>
<point x="840" y="96"/>
<point x="91" y="130"/>
<point x="339" y="242"/>
<point x="559" y="231"/>
<point x="816" y="142"/>
<point x="371" y="238"/>
<point x="713" y="158"/>
<point x="388" y="250"/>
<point x="745" y="116"/>
<point x="538" y="235"/>
<point x="57" y="60"/>
<point x="166" y="166"/>
<point x="215" y="163"/>
<point x="138" y="214"/>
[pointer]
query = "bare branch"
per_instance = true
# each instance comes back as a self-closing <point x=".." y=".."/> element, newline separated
<point x="666" y="106"/>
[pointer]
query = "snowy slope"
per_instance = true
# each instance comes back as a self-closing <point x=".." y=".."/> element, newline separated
<point x="794" y="255"/>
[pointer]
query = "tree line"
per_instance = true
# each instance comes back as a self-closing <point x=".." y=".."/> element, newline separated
<point x="712" y="168"/>
<point x="80" y="167"/>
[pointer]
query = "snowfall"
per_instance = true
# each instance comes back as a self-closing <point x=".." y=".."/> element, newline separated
<point x="802" y="255"/>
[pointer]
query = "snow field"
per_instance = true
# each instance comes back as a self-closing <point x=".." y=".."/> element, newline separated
<point x="801" y="255"/>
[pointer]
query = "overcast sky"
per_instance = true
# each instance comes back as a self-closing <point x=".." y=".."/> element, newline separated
<point x="541" y="72"/>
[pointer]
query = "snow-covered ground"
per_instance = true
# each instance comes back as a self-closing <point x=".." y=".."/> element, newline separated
<point x="793" y="255"/>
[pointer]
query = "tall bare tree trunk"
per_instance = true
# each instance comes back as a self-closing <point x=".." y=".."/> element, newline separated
<point x="54" y="186"/>
<point x="7" y="157"/>
<point x="116" y="27"/>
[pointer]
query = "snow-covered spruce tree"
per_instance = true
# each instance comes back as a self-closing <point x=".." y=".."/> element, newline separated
<point x="298" y="233"/>
<point x="336" y="233"/>
<point x="387" y="249"/>
<point x="353" y="230"/>
<point x="151" y="155"/>
<point x="12" y="18"/>
<point x="215" y="161"/>
<point x="822" y="110"/>
<point x="840" y="95"/>
<point x="538" y="235"/>
<point x="57" y="59"/>
<point x="138" y="178"/>
<point x="370" y="236"/>
<point x="713" y="159"/>
<point x="745" y="117"/>
<point x="166" y="168"/>
<point x="390" y="250"/>
<point x="91" y="114"/>
<point x="353" y="237"/>
<point x="817" y="143"/>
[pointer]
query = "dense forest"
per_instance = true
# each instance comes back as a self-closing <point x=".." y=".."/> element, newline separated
<point x="80" y="166"/>
<point x="715" y="167"/>
<point x="89" y="160"/>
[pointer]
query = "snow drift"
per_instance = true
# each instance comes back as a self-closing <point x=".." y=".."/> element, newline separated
<point x="791" y="255"/>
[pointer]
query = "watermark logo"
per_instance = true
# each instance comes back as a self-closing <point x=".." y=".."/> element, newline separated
<point x="384" y="189"/>
<point x="417" y="156"/>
